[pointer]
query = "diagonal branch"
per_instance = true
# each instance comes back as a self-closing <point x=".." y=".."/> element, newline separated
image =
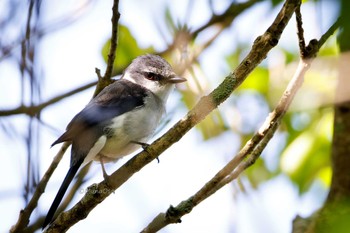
<point x="98" y="192"/>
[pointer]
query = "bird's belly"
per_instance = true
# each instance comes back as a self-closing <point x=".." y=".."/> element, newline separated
<point x="138" y="125"/>
<point x="115" y="149"/>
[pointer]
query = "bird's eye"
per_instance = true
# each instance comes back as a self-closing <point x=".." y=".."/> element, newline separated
<point x="153" y="76"/>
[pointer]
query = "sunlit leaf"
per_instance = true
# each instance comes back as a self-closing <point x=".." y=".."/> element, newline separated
<point x="258" y="80"/>
<point x="296" y="153"/>
<point x="325" y="175"/>
<point x="306" y="157"/>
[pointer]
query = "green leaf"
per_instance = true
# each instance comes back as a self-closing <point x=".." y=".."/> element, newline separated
<point x="258" y="80"/>
<point x="325" y="175"/>
<point x="307" y="157"/>
<point x="127" y="49"/>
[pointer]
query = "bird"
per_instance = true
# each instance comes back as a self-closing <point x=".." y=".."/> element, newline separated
<point x="119" y="120"/>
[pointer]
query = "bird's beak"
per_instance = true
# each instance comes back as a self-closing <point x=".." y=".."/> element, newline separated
<point x="176" y="79"/>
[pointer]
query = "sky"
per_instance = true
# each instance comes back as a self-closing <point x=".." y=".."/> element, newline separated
<point x="68" y="58"/>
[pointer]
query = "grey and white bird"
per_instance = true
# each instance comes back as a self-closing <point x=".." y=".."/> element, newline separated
<point x="124" y="113"/>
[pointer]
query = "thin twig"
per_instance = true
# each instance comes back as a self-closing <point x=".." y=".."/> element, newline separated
<point x="114" y="40"/>
<point x="106" y="79"/>
<point x="300" y="32"/>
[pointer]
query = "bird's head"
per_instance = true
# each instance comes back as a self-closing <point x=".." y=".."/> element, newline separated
<point x="153" y="73"/>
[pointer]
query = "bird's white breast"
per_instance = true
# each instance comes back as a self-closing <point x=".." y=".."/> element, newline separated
<point x="137" y="125"/>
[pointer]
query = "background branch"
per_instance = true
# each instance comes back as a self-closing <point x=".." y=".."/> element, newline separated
<point x="33" y="110"/>
<point x="24" y="215"/>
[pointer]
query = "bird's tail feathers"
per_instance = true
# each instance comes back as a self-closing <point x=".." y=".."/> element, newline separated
<point x="64" y="186"/>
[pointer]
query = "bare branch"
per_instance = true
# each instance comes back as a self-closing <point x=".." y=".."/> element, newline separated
<point x="106" y="79"/>
<point x="114" y="40"/>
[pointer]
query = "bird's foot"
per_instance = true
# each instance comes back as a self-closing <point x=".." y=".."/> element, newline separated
<point x="144" y="147"/>
<point x="142" y="144"/>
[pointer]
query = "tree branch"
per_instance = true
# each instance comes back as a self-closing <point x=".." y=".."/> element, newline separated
<point x="98" y="192"/>
<point x="35" y="109"/>
<point x="106" y="79"/>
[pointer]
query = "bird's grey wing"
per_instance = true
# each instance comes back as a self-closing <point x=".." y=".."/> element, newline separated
<point x="120" y="97"/>
<point x="86" y="127"/>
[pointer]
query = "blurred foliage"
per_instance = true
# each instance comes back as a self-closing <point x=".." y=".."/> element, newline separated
<point x="307" y="153"/>
<point x="258" y="80"/>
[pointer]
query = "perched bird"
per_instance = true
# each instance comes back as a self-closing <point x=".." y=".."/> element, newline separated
<point x="119" y="119"/>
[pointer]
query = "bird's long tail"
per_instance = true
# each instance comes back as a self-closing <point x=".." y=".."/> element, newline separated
<point x="67" y="180"/>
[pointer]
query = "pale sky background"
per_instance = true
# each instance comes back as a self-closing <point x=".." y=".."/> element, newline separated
<point x="68" y="59"/>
